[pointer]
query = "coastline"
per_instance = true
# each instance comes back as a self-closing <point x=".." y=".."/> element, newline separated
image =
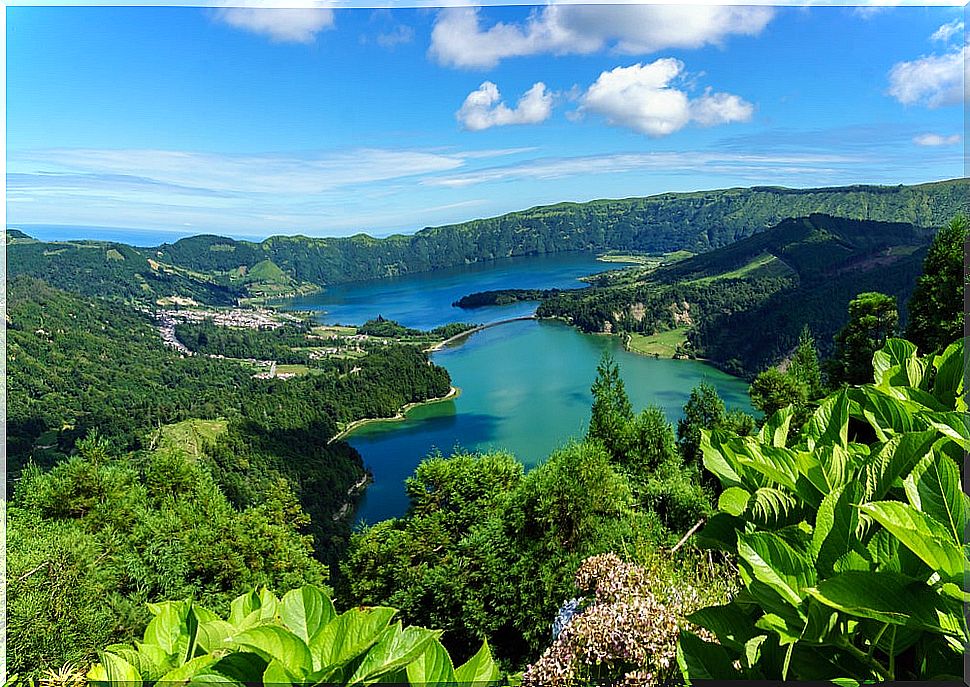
<point x="452" y="394"/>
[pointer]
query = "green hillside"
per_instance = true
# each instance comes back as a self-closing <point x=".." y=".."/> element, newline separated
<point x="744" y="305"/>
<point x="218" y="270"/>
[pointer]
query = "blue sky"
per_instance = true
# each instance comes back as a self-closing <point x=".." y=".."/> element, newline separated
<point x="252" y="122"/>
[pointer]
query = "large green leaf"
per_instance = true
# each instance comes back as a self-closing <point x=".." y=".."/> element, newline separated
<point x="953" y="425"/>
<point x="731" y="625"/>
<point x="239" y="666"/>
<point x="720" y="532"/>
<point x="187" y="671"/>
<point x="700" y="660"/>
<point x="829" y="423"/>
<point x="114" y="671"/>
<point x="934" y="488"/>
<point x="886" y="597"/>
<point x="886" y="415"/>
<point x="276" y="643"/>
<point x="306" y="610"/>
<point x="733" y="500"/>
<point x="771" y="508"/>
<point x="395" y="649"/>
<point x="432" y="668"/>
<point x="718" y="457"/>
<point x="348" y="636"/>
<point x="276" y="675"/>
<point x="242" y="608"/>
<point x="889" y="364"/>
<point x="480" y="670"/>
<point x="168" y="626"/>
<point x="215" y="634"/>
<point x="834" y="535"/>
<point x="776" y="564"/>
<point x="950" y="370"/>
<point x="775" y="430"/>
<point x="922" y="535"/>
<point x="893" y="461"/>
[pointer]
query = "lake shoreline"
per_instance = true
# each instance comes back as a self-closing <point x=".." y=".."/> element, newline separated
<point x="453" y="393"/>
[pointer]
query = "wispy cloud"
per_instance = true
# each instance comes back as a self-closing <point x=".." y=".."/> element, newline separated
<point x="933" y="140"/>
<point x="294" y="22"/>
<point x="669" y="162"/>
<point x="459" y="38"/>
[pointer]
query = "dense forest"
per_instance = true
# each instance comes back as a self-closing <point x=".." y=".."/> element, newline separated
<point x="218" y="270"/>
<point x="745" y="304"/>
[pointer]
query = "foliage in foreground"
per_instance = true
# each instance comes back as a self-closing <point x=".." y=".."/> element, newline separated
<point x="850" y="543"/>
<point x="299" y="639"/>
<point x="97" y="537"/>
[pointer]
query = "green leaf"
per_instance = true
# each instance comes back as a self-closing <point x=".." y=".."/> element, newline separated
<point x="275" y="643"/>
<point x="829" y="423"/>
<point x="893" y="461"/>
<point x="188" y="670"/>
<point x="733" y="500"/>
<point x="395" y="649"/>
<point x="950" y="370"/>
<point x="700" y="660"/>
<point x="934" y="488"/>
<point x="348" y="636"/>
<point x="306" y="610"/>
<point x="921" y="534"/>
<point x="835" y="526"/>
<point x="890" y="359"/>
<point x="752" y="650"/>
<point x="720" y="532"/>
<point x="168" y="626"/>
<point x="717" y="457"/>
<point x="240" y="666"/>
<point x="883" y="596"/>
<point x="776" y="564"/>
<point x="732" y="626"/>
<point x="433" y="667"/>
<point x="770" y="508"/>
<point x="214" y="635"/>
<point x="241" y="608"/>
<point x="955" y="426"/>
<point x="277" y="674"/>
<point x="480" y="669"/>
<point x="775" y="430"/>
<point x="886" y="415"/>
<point x="115" y="672"/>
<point x="775" y="623"/>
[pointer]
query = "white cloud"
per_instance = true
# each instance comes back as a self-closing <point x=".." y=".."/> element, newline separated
<point x="937" y="140"/>
<point x="459" y="40"/>
<point x="483" y="108"/>
<point x="399" y="35"/>
<point x="761" y="166"/>
<point x="641" y="97"/>
<point x="720" y="108"/>
<point x="948" y="31"/>
<point x="933" y="80"/>
<point x="282" y="24"/>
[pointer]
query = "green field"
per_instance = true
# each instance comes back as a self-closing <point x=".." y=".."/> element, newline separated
<point x="663" y="344"/>
<point x="191" y="435"/>
<point x="766" y="263"/>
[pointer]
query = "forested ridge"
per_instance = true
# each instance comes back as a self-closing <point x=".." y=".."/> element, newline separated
<point x="744" y="305"/>
<point x="216" y="270"/>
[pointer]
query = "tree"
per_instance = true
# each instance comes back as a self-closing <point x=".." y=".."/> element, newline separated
<point x="612" y="411"/>
<point x="773" y="390"/>
<point x="936" y="309"/>
<point x="805" y="367"/>
<point x="704" y="410"/>
<point x="873" y="319"/>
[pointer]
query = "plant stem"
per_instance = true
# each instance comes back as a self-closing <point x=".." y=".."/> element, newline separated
<point x="878" y="667"/>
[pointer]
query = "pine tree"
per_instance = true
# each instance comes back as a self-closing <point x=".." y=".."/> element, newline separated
<point x="936" y="309"/>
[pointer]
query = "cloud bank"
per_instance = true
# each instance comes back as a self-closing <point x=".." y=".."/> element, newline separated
<point x="284" y="25"/>
<point x="458" y="38"/>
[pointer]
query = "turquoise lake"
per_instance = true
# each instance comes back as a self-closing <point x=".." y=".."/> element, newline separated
<point x="525" y="386"/>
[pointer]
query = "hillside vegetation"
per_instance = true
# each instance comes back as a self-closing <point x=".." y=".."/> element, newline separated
<point x="216" y="270"/>
<point x="744" y="305"/>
